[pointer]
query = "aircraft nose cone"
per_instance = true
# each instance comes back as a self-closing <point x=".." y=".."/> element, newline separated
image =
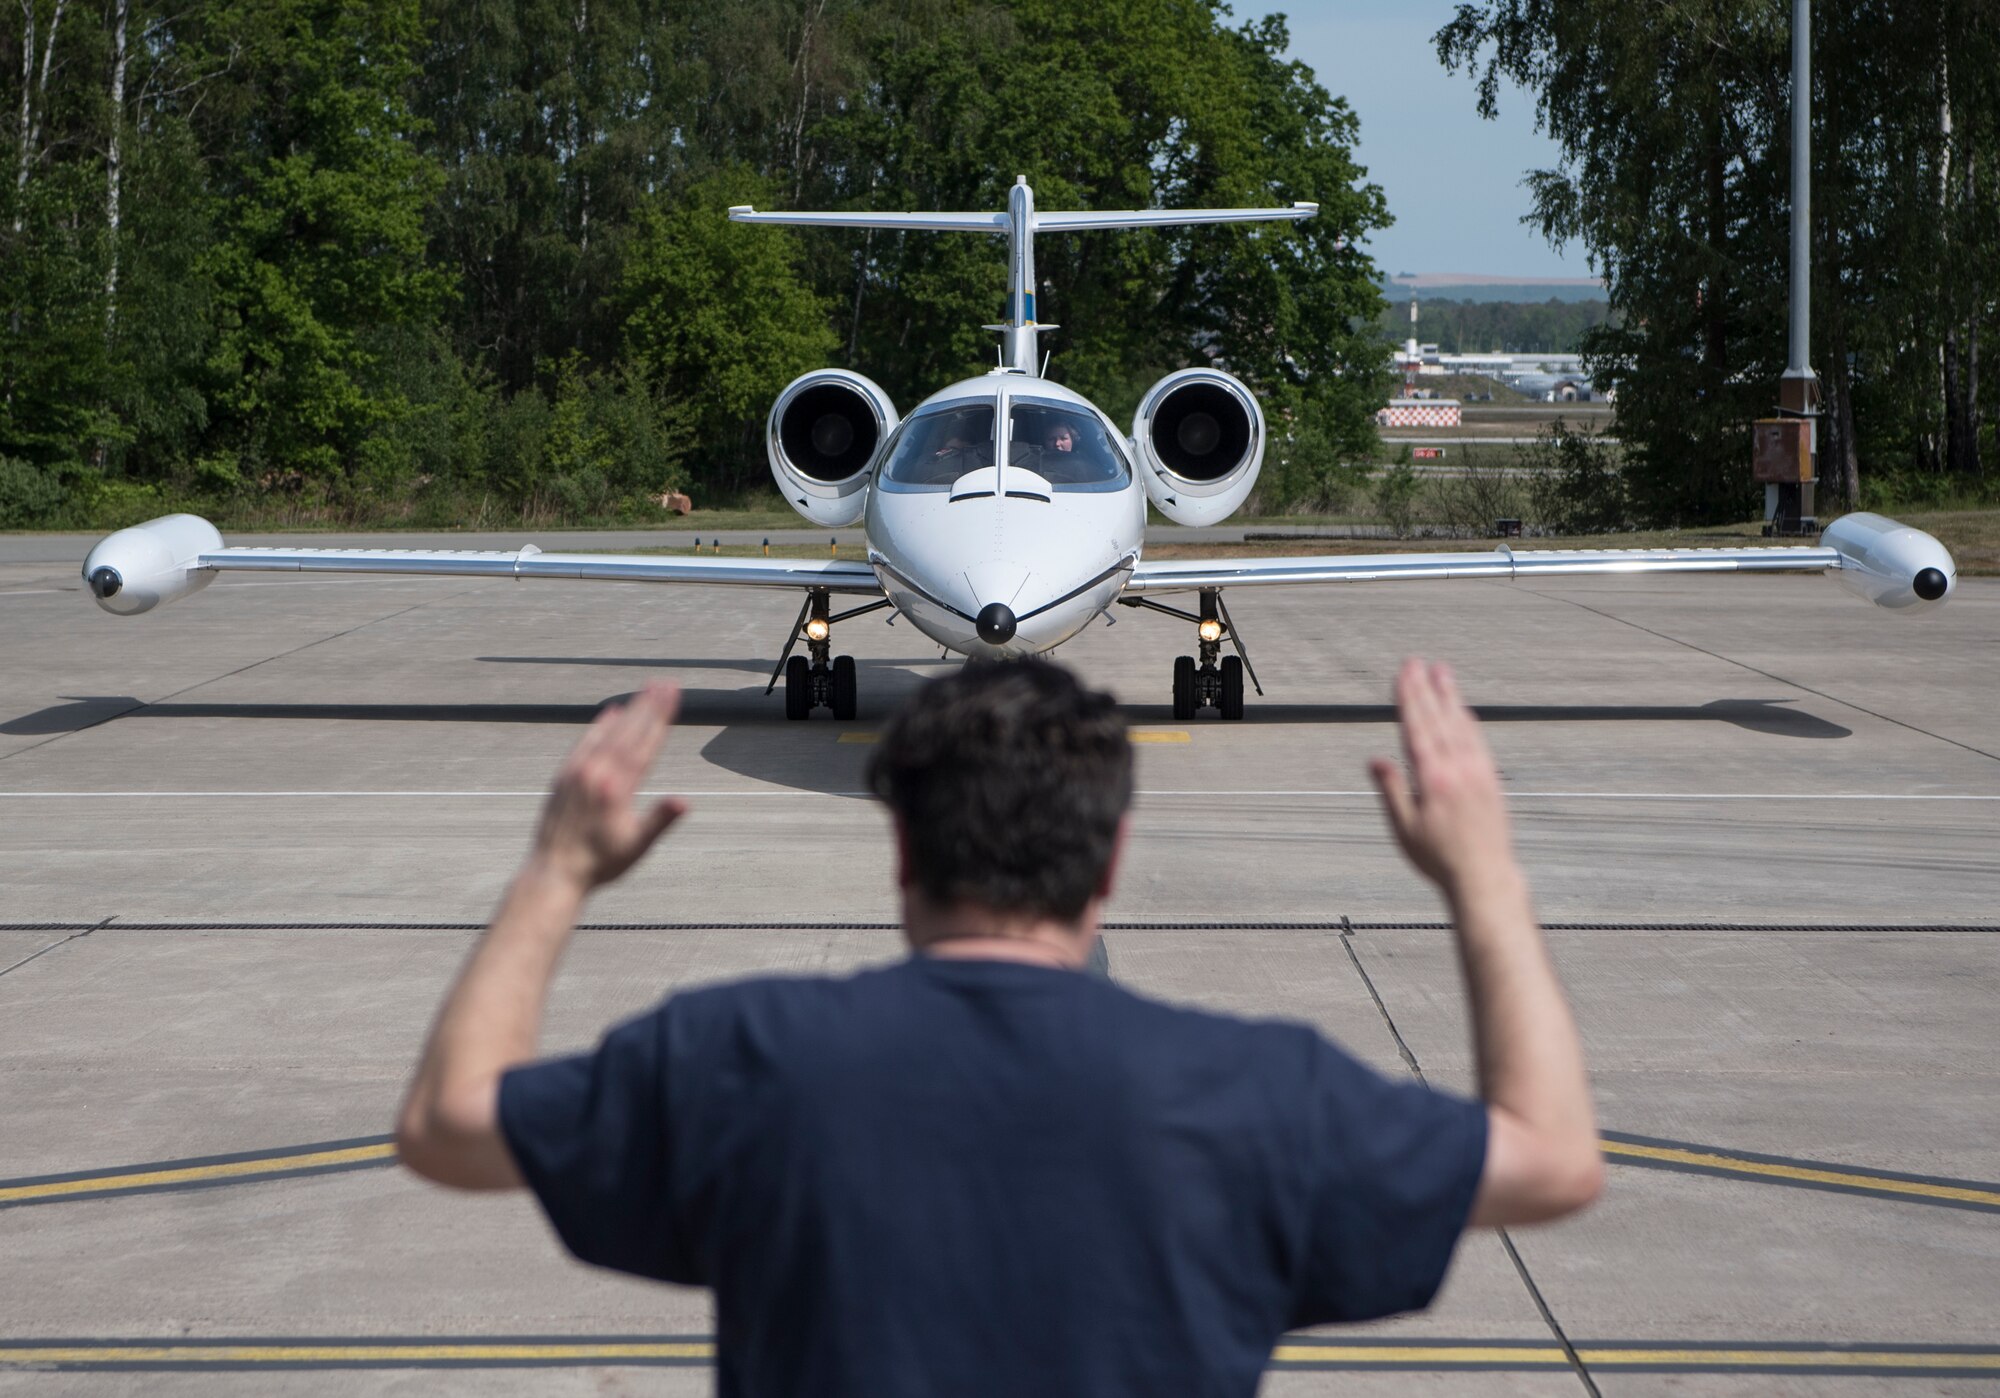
<point x="1928" y="584"/>
<point x="105" y="582"/>
<point x="996" y="623"/>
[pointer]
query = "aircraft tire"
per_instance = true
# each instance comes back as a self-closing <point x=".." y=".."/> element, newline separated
<point x="1232" y="686"/>
<point x="846" y="687"/>
<point x="1183" y="688"/>
<point x="798" y="688"/>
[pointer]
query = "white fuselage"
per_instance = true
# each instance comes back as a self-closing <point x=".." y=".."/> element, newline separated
<point x="999" y="531"/>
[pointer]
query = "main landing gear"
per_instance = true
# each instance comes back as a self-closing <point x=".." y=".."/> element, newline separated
<point x="1215" y="681"/>
<point x="826" y="680"/>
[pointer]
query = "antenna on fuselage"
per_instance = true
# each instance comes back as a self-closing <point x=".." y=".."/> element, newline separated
<point x="1020" y="332"/>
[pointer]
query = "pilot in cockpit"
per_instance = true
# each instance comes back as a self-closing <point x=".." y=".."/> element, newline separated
<point x="965" y="436"/>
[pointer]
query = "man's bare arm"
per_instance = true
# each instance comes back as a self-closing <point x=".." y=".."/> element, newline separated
<point x="1542" y="1155"/>
<point x="590" y="833"/>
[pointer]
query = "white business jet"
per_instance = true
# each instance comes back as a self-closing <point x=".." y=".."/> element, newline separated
<point x="1005" y="513"/>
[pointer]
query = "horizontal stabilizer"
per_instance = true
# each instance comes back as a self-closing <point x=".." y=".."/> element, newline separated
<point x="1071" y="221"/>
<point x="1154" y="218"/>
<point x="943" y="223"/>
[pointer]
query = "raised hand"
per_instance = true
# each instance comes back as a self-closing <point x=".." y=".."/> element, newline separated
<point x="1448" y="813"/>
<point x="591" y="831"/>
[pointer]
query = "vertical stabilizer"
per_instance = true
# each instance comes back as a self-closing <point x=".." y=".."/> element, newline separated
<point x="1020" y="337"/>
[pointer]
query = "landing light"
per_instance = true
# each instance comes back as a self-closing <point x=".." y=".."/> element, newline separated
<point x="817" y="629"/>
<point x="1211" y="630"/>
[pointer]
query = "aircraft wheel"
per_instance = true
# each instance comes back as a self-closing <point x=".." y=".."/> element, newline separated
<point x="798" y="688"/>
<point x="1232" y="687"/>
<point x="846" y="688"/>
<point x="1184" y="701"/>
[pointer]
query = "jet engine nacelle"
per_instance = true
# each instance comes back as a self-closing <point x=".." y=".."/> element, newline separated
<point x="1891" y="564"/>
<point x="1200" y="438"/>
<point x="823" y="433"/>
<point x="137" y="569"/>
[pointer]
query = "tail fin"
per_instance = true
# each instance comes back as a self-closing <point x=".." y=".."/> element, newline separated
<point x="1020" y="223"/>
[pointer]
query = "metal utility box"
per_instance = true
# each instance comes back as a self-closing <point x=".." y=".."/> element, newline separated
<point x="1782" y="451"/>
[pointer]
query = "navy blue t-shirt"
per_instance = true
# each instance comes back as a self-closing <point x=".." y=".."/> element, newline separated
<point x="980" y="1177"/>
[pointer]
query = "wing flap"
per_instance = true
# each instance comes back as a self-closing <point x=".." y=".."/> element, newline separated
<point x="837" y="575"/>
<point x="936" y="222"/>
<point x="1177" y="575"/>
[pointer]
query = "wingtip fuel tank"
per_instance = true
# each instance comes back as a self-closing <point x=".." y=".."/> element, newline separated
<point x="136" y="569"/>
<point x="1891" y="564"/>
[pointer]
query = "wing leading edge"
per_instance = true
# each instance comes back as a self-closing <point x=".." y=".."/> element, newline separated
<point x="1503" y="563"/>
<point x="835" y="575"/>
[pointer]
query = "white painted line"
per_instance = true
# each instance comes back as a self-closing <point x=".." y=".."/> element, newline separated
<point x="712" y="795"/>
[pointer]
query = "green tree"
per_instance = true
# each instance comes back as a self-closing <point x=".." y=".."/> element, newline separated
<point x="720" y="318"/>
<point x="323" y="239"/>
<point x="1673" y="124"/>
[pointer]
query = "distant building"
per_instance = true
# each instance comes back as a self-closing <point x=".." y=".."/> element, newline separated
<point x="1419" y="412"/>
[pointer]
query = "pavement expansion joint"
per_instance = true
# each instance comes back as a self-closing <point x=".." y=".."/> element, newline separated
<point x="1409" y="1058"/>
<point x="75" y="930"/>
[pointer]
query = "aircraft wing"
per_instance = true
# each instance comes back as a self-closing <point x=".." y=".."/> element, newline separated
<point x="1890" y="564"/>
<point x="137" y="569"/>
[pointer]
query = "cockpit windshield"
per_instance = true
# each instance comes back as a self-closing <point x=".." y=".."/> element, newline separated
<point x="935" y="448"/>
<point x="1066" y="447"/>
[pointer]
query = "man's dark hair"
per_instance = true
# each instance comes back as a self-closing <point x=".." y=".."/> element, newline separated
<point x="1010" y="779"/>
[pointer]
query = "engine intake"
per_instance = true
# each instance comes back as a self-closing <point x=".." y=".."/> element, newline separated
<point x="823" y="433"/>
<point x="1200" y="437"/>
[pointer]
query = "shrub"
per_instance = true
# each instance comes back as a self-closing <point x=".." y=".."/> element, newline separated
<point x="1396" y="491"/>
<point x="1575" y="485"/>
<point x="30" y="495"/>
<point x="1480" y="491"/>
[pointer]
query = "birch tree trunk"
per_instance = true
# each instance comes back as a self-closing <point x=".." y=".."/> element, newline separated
<point x="23" y="149"/>
<point x="114" y="164"/>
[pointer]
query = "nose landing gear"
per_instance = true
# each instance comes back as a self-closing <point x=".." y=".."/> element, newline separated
<point x="1216" y="680"/>
<point x="819" y="679"/>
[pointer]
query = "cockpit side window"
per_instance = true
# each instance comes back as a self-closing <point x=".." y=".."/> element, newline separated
<point x="935" y="448"/>
<point x="1065" y="447"/>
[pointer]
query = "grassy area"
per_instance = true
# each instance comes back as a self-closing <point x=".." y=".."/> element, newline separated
<point x="1973" y="536"/>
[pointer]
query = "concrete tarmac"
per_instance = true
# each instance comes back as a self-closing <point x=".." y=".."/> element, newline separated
<point x="245" y="838"/>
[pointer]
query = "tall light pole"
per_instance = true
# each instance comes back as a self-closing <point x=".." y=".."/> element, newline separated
<point x="1790" y="504"/>
<point x="1796" y="365"/>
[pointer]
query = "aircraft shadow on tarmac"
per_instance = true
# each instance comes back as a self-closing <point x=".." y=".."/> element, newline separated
<point x="754" y="740"/>
<point x="1767" y="716"/>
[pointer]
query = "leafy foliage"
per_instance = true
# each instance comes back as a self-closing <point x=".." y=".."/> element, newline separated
<point x="1673" y="123"/>
<point x="424" y="260"/>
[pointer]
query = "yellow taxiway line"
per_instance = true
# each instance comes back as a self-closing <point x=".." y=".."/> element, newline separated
<point x="472" y="1352"/>
<point x="1799" y="1172"/>
<point x="168" y="1175"/>
<point x="363" y="1152"/>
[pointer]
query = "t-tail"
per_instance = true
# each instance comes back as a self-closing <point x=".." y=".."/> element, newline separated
<point x="1020" y="348"/>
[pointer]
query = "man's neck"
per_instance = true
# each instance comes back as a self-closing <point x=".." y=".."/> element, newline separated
<point x="971" y="933"/>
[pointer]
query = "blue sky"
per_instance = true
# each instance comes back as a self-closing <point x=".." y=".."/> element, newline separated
<point x="1453" y="181"/>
